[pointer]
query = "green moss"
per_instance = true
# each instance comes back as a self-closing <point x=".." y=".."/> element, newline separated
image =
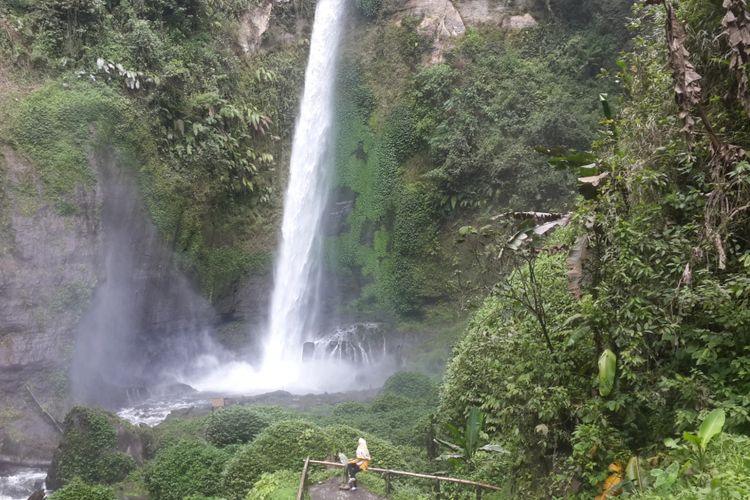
<point x="388" y="247"/>
<point x="7" y="235"/>
<point x="132" y="486"/>
<point x="53" y="127"/>
<point x="89" y="449"/>
<point x="72" y="298"/>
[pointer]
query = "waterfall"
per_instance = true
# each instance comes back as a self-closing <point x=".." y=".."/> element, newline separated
<point x="333" y="360"/>
<point x="294" y="308"/>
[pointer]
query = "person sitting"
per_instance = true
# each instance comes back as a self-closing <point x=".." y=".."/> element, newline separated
<point x="360" y="463"/>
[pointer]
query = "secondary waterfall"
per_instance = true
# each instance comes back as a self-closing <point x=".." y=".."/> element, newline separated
<point x="294" y="307"/>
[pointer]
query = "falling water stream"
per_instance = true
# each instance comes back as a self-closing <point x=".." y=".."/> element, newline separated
<point x="297" y="278"/>
<point x="295" y="306"/>
<point x="337" y="360"/>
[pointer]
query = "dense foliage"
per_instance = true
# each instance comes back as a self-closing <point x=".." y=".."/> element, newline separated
<point x="422" y="146"/>
<point x="663" y="297"/>
<point x="186" y="468"/>
<point x="210" y="124"/>
<point x="284" y="445"/>
<point x="79" y="490"/>
<point x="597" y="357"/>
<point x="278" y="485"/>
<point x="89" y="449"/>
<point x="234" y="425"/>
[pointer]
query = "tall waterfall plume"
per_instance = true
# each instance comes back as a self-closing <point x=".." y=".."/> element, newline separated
<point x="294" y="305"/>
<point x="336" y="359"/>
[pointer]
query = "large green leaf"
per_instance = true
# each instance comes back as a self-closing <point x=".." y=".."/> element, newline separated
<point x="634" y="472"/>
<point x="474" y="423"/>
<point x="494" y="448"/>
<point x="607" y="369"/>
<point x="711" y="426"/>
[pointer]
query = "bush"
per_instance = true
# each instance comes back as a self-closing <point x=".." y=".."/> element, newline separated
<point x="283" y="445"/>
<point x="78" y="490"/>
<point x="187" y="468"/>
<point x="88" y="449"/>
<point x="242" y="471"/>
<point x="279" y="485"/>
<point x="234" y="425"/>
<point x="530" y="395"/>
<point x="724" y="474"/>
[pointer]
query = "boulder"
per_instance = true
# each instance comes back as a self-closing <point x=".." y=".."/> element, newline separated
<point x="440" y="22"/>
<point x="519" y="22"/>
<point x="253" y="24"/>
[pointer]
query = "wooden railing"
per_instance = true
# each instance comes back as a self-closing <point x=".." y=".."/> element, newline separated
<point x="388" y="473"/>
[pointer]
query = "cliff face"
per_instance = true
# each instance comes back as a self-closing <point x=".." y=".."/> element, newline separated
<point x="92" y="305"/>
<point x="48" y="269"/>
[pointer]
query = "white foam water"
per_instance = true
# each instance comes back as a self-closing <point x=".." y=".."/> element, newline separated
<point x="20" y="483"/>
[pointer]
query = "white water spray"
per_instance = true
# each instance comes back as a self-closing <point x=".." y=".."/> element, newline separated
<point x="294" y="307"/>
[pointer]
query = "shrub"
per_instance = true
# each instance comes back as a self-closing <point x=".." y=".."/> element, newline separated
<point x="88" y="449"/>
<point x="234" y="425"/>
<point x="283" y="445"/>
<point x="78" y="490"/>
<point x="279" y="485"/>
<point x="187" y="468"/>
<point x="242" y="471"/>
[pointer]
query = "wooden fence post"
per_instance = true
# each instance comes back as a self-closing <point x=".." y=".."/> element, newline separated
<point x="388" y="489"/>
<point x="479" y="493"/>
<point x="303" y="480"/>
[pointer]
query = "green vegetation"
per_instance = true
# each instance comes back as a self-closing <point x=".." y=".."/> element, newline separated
<point x="422" y="147"/>
<point x="284" y="445"/>
<point x="608" y="351"/>
<point x="89" y="449"/>
<point x="52" y="126"/>
<point x="234" y="425"/>
<point x="78" y="490"/>
<point x="651" y="337"/>
<point x="279" y="485"/>
<point x="186" y="468"/>
<point x="163" y="86"/>
<point x="176" y="429"/>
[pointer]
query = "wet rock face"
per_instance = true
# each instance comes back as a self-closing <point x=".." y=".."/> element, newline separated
<point x="48" y="267"/>
<point x="359" y="343"/>
<point x="272" y="23"/>
<point x="145" y="316"/>
<point x="90" y="300"/>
